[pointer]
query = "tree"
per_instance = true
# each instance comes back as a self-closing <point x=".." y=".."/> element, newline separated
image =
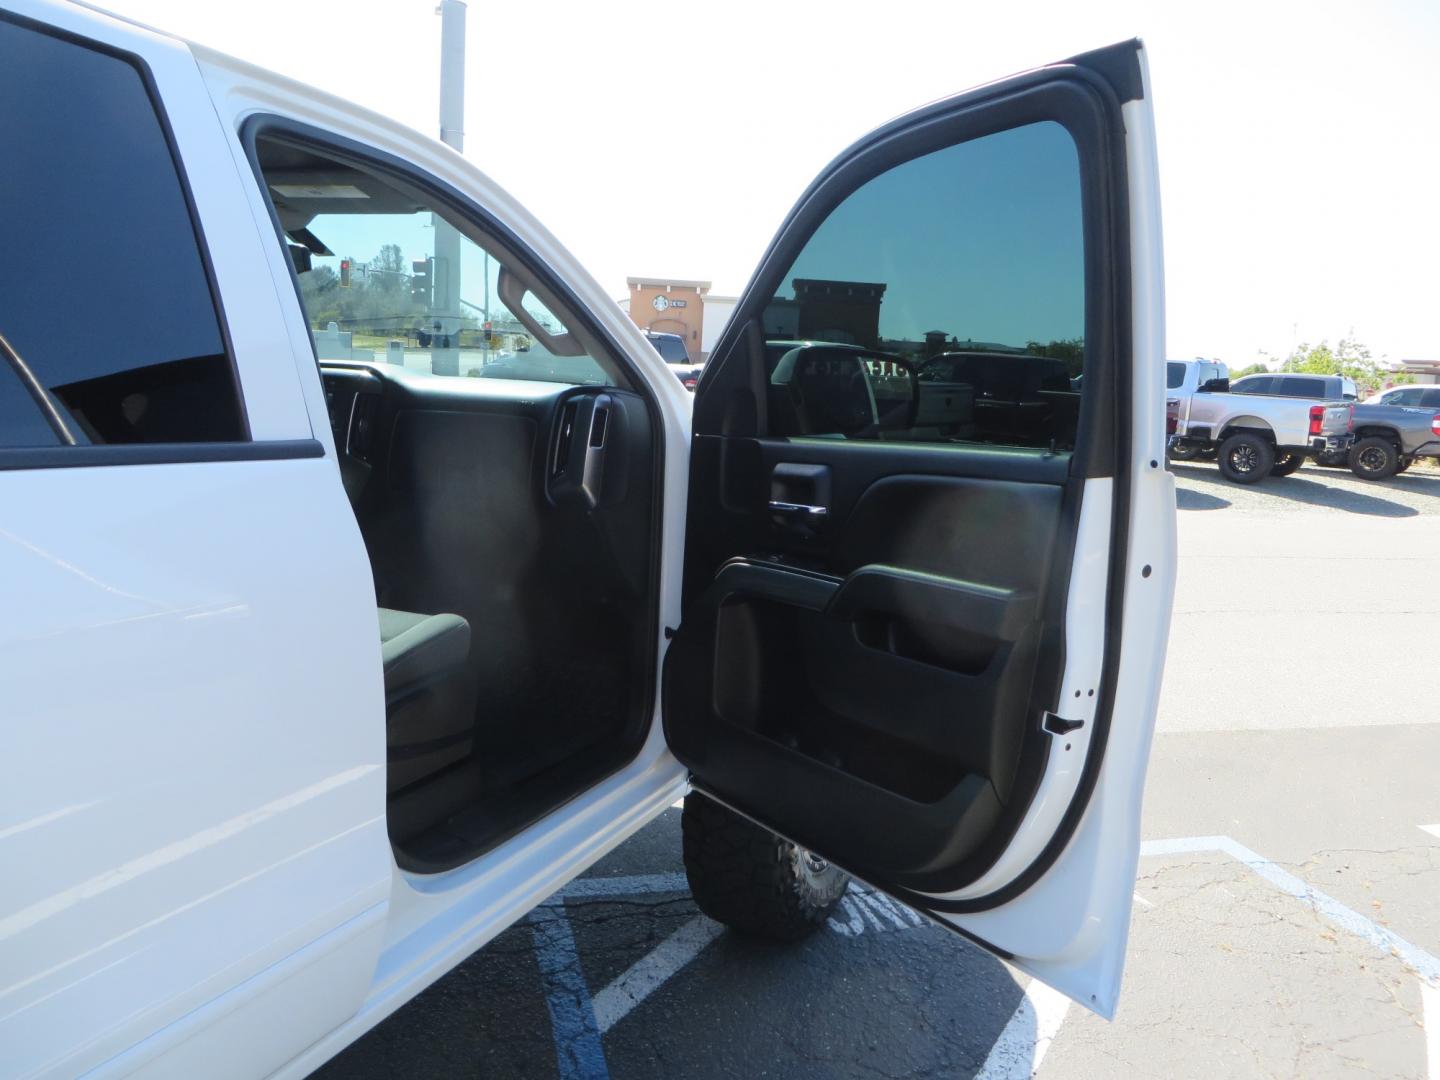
<point x="1249" y="369"/>
<point x="320" y="290"/>
<point x="1349" y="358"/>
<point x="1070" y="350"/>
<point x="390" y="259"/>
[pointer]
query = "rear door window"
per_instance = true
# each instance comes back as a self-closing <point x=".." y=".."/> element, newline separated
<point x="1174" y="376"/>
<point x="1291" y="386"/>
<point x="106" y="300"/>
<point x="1254" y="384"/>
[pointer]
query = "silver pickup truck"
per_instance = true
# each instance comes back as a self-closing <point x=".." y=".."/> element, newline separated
<point x="1378" y="441"/>
<point x="1252" y="435"/>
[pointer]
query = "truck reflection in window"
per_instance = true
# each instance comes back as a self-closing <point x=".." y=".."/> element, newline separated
<point x="959" y="278"/>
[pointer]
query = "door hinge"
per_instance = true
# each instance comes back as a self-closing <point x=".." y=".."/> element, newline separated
<point x="1058" y="725"/>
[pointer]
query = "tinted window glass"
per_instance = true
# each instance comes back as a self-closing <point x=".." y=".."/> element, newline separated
<point x="671" y="349"/>
<point x="21" y="421"/>
<point x="1430" y="399"/>
<point x="943" y="300"/>
<point x="104" y="294"/>
<point x="1174" y="376"/>
<point x="1296" y="387"/>
<point x="1255" y="384"/>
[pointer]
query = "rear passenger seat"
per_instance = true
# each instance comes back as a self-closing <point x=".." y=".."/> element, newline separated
<point x="427" y="729"/>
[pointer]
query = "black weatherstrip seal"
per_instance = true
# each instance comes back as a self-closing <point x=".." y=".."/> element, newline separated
<point x="1118" y="65"/>
<point x="89" y="457"/>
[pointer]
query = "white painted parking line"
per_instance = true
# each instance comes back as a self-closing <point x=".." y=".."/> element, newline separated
<point x="1021" y="1047"/>
<point x="1433" y="830"/>
<point x="1424" y="964"/>
<point x="579" y="1021"/>
<point x="1337" y="914"/>
<point x="649" y="973"/>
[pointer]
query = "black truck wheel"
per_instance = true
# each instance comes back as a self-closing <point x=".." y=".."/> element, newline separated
<point x="1374" y="458"/>
<point x="752" y="880"/>
<point x="1183" y="452"/>
<point x="1246" y="458"/>
<point x="1287" y="462"/>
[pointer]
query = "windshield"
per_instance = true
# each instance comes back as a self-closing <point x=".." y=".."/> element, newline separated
<point x="1174" y="375"/>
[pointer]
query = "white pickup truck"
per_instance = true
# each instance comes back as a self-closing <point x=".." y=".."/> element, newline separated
<point x="1183" y="378"/>
<point x="1251" y="435"/>
<point x="317" y="674"/>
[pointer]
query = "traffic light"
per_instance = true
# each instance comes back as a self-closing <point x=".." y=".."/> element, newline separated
<point x="489" y="334"/>
<point x="422" y="282"/>
<point x="344" y="273"/>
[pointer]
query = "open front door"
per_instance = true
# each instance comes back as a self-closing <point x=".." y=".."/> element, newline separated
<point x="931" y="545"/>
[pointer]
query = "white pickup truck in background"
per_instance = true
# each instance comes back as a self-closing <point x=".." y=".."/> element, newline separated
<point x="1252" y="435"/>
<point x="1183" y="378"/>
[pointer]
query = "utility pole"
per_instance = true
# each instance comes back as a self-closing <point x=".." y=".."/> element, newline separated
<point x="452" y="73"/>
<point x="445" y="314"/>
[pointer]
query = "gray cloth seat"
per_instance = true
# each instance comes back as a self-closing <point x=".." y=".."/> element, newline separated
<point x="416" y="649"/>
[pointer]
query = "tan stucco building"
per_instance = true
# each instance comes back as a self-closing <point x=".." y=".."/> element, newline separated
<point x="668" y="306"/>
<point x="687" y="308"/>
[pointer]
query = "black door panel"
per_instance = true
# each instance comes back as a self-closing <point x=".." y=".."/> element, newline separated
<point x="838" y="765"/>
<point x="888" y="648"/>
<point x="954" y="488"/>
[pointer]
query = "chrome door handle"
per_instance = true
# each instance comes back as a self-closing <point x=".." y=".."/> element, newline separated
<point x="798" y="509"/>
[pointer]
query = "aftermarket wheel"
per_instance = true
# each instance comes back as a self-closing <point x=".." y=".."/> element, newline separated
<point x="1286" y="462"/>
<point x="752" y="880"/>
<point x="1374" y="458"/>
<point x="1246" y="458"/>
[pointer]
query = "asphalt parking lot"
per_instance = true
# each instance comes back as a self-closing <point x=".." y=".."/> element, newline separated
<point x="1287" y="914"/>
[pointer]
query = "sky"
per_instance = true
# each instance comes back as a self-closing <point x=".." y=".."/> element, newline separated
<point x="1299" y="143"/>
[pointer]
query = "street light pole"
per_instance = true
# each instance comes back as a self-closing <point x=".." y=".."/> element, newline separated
<point x="452" y="73"/>
<point x="446" y="312"/>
